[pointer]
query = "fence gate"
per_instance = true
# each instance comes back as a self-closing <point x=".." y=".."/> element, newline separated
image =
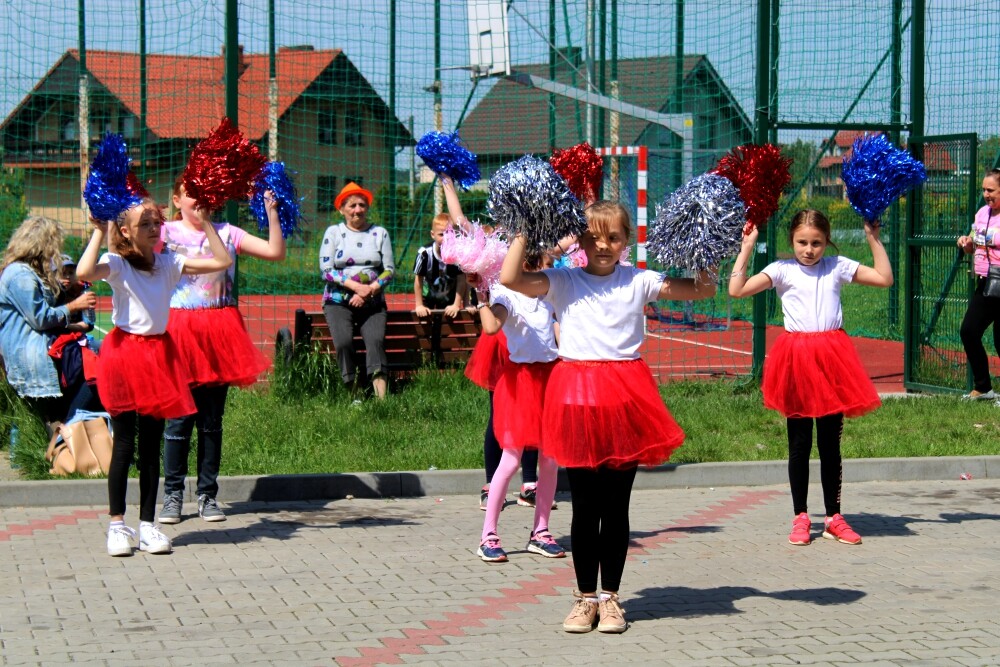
<point x="937" y="275"/>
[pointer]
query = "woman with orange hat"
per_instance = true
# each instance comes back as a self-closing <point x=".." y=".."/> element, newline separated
<point x="356" y="262"/>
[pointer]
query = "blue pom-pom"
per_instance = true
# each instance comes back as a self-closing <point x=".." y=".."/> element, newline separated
<point x="877" y="174"/>
<point x="107" y="192"/>
<point x="699" y="225"/>
<point x="275" y="178"/>
<point x="528" y="197"/>
<point x="444" y="154"/>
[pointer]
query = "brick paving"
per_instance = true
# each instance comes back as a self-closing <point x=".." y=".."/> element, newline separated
<point x="710" y="581"/>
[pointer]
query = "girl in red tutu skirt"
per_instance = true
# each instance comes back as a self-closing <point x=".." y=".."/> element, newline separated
<point x="208" y="329"/>
<point x="813" y="371"/>
<point x="141" y="379"/>
<point x="531" y="341"/>
<point x="603" y="414"/>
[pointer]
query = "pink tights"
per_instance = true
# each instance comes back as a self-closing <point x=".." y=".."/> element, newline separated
<point x="545" y="492"/>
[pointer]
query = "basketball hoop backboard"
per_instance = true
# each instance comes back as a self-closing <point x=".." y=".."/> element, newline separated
<point x="489" y="44"/>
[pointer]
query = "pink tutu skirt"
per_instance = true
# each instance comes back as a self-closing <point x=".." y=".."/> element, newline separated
<point x="817" y="374"/>
<point x="215" y="346"/>
<point x="143" y="374"/>
<point x="517" y="405"/>
<point x="487" y="360"/>
<point x="606" y="413"/>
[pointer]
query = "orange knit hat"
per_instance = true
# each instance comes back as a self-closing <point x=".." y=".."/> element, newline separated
<point x="352" y="188"/>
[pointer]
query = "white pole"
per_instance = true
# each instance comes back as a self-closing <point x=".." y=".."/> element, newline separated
<point x="84" y="114"/>
<point x="590" y="69"/>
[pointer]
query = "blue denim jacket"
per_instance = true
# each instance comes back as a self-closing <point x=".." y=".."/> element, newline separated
<point x="27" y="315"/>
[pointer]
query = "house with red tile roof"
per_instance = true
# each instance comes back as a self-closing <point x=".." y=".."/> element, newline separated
<point x="332" y="124"/>
<point x="938" y="162"/>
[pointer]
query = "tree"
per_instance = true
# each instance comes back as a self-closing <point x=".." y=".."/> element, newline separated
<point x="803" y="154"/>
<point x="13" y="209"/>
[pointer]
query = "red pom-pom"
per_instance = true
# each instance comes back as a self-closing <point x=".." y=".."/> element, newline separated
<point x="135" y="186"/>
<point x="582" y="169"/>
<point x="223" y="166"/>
<point x="760" y="173"/>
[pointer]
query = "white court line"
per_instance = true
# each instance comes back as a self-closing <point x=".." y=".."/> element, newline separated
<point x="714" y="347"/>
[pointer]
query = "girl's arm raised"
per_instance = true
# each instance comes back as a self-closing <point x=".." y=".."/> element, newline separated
<point x="454" y="207"/>
<point x="272" y="250"/>
<point x="88" y="269"/>
<point x="220" y="259"/>
<point x="512" y="273"/>
<point x="739" y="284"/>
<point x="492" y="317"/>
<point x="881" y="274"/>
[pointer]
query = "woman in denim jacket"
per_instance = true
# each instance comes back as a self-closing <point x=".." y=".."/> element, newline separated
<point x="29" y="316"/>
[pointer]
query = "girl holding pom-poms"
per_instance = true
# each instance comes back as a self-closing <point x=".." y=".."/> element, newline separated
<point x="603" y="415"/>
<point x="813" y="371"/>
<point x="141" y="378"/>
<point x="203" y="308"/>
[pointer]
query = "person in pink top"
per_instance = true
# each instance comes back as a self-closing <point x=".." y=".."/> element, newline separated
<point x="203" y="308"/>
<point x="983" y="243"/>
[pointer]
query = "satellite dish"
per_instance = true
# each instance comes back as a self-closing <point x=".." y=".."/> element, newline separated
<point x="489" y="41"/>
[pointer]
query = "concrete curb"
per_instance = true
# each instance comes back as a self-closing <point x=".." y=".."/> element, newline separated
<point x="289" y="488"/>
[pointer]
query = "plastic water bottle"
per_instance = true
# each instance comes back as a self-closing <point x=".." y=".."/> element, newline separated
<point x="15" y="435"/>
<point x="89" y="316"/>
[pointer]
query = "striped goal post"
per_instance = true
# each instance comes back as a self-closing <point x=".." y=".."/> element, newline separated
<point x="642" y="170"/>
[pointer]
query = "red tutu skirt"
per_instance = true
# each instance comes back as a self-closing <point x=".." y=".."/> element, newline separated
<point x="606" y="413"/>
<point x="487" y="360"/>
<point x="216" y="347"/>
<point x="517" y="405"/>
<point x="143" y="374"/>
<point x="817" y="374"/>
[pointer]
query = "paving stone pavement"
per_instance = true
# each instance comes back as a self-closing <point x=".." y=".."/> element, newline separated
<point x="710" y="580"/>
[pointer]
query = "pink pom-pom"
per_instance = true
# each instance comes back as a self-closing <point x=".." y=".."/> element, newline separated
<point x="582" y="169"/>
<point x="223" y="167"/>
<point x="474" y="251"/>
<point x="760" y="173"/>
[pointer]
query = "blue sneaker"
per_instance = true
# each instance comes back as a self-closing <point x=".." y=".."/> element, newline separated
<point x="544" y="544"/>
<point x="491" y="551"/>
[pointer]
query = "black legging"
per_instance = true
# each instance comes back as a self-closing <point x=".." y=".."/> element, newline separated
<point x="980" y="314"/>
<point x="150" y="433"/>
<point x="492" y="453"/>
<point x="600" y="527"/>
<point x="828" y="432"/>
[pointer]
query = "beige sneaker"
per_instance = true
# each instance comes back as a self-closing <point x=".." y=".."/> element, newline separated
<point x="582" y="616"/>
<point x="612" y="615"/>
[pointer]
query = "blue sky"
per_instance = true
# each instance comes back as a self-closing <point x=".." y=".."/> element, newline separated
<point x="826" y="53"/>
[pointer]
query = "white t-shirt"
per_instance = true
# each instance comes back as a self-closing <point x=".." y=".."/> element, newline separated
<point x="530" y="336"/>
<point x="810" y="295"/>
<point x="140" y="300"/>
<point x="601" y="317"/>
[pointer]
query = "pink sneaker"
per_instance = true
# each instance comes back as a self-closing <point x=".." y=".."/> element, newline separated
<point x="837" y="529"/>
<point x="800" y="531"/>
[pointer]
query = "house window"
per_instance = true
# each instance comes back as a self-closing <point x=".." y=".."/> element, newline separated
<point x="352" y="131"/>
<point x="354" y="179"/>
<point x="327" y="127"/>
<point x="129" y="126"/>
<point x="326" y="193"/>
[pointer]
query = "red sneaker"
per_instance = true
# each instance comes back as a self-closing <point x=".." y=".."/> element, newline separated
<point x="837" y="529"/>
<point x="800" y="531"/>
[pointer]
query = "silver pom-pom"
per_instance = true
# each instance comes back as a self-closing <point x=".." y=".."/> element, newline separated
<point x="699" y="225"/>
<point x="528" y="197"/>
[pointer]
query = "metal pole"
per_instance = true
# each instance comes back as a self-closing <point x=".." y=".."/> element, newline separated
<point x="895" y="116"/>
<point x="914" y="202"/>
<point x="390" y="219"/>
<point x="438" y="101"/>
<point x="232" y="73"/>
<point x="677" y="99"/>
<point x="589" y="40"/>
<point x="761" y="121"/>
<point x="771" y="232"/>
<point x="413" y="162"/>
<point x="552" y="74"/>
<point x="83" y="104"/>
<point x="272" y="88"/>
<point x="143" y="91"/>
<point x="615" y="122"/>
<point x="602" y="13"/>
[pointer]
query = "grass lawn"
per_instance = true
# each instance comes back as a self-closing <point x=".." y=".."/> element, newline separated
<point x="437" y="421"/>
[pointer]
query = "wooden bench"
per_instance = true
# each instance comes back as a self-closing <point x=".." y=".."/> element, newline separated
<point x="436" y="341"/>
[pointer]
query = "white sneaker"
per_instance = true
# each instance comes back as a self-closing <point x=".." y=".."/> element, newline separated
<point x="120" y="540"/>
<point x="976" y="396"/>
<point x="152" y="541"/>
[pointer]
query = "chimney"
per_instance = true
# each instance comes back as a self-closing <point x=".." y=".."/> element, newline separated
<point x="241" y="65"/>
